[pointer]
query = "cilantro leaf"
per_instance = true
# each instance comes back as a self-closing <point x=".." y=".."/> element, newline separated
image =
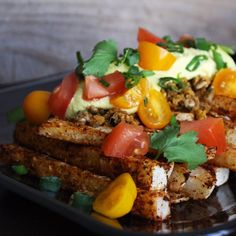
<point x="179" y="148"/>
<point x="104" y="53"/>
<point x="130" y="57"/>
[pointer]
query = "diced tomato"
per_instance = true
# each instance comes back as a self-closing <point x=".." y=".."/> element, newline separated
<point x="211" y="132"/>
<point x="126" y="140"/>
<point x="62" y="95"/>
<point x="153" y="57"/>
<point x="145" y="35"/>
<point x="94" y="88"/>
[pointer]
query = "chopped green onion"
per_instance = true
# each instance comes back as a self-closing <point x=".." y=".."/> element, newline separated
<point x="15" y="115"/>
<point x="202" y="44"/>
<point x="171" y="83"/>
<point x="145" y="101"/>
<point x="50" y="183"/>
<point x="227" y="49"/>
<point x="220" y="64"/>
<point x="195" y="62"/>
<point x="172" y="47"/>
<point x="80" y="60"/>
<point x="20" y="169"/>
<point x="104" y="82"/>
<point x="146" y="73"/>
<point x="82" y="201"/>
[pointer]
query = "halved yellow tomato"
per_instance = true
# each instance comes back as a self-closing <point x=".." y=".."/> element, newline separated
<point x="132" y="97"/>
<point x="153" y="57"/>
<point x="155" y="112"/>
<point x="225" y="83"/>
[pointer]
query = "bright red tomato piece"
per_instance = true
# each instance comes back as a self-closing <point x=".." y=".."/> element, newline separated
<point x="145" y="35"/>
<point x="126" y="140"/>
<point x="62" y="95"/>
<point x="94" y="88"/>
<point x="211" y="132"/>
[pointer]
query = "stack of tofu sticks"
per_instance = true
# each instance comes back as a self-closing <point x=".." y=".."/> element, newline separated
<point x="73" y="153"/>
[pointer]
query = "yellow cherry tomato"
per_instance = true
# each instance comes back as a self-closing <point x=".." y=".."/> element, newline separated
<point x="36" y="107"/>
<point x="225" y="83"/>
<point x="118" y="198"/>
<point x="155" y="112"/>
<point x="132" y="97"/>
<point x="153" y="57"/>
<point x="111" y="222"/>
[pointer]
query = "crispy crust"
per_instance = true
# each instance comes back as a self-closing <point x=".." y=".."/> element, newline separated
<point x="68" y="131"/>
<point x="91" y="158"/>
<point x="76" y="179"/>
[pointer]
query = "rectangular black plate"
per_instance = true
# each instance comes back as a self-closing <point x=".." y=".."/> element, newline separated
<point x="216" y="214"/>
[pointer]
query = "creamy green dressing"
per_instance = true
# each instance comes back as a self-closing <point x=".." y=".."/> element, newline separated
<point x="207" y="69"/>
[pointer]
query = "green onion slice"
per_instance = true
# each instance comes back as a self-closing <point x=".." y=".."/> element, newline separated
<point x="104" y="82"/>
<point x="171" y="83"/>
<point x="20" y="169"/>
<point x="220" y="64"/>
<point x="195" y="62"/>
<point x="82" y="201"/>
<point x="50" y="183"/>
<point x="15" y="115"/>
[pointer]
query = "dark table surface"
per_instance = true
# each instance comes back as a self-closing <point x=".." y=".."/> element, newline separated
<point x="19" y="216"/>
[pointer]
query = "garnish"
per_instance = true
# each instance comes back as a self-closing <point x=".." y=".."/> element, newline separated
<point x="203" y="44"/>
<point x="130" y="57"/>
<point x="20" y="169"/>
<point x="195" y="62"/>
<point x="104" y="82"/>
<point x="227" y="49"/>
<point x="170" y="45"/>
<point x="145" y="101"/>
<point x="82" y="201"/>
<point x="50" y="183"/>
<point x="171" y="83"/>
<point x="220" y="64"/>
<point x="104" y="53"/>
<point x="15" y="115"/>
<point x="80" y="60"/>
<point x="178" y="148"/>
<point x="133" y="76"/>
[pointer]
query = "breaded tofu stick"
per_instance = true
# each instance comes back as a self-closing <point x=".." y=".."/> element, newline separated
<point x="148" y="174"/>
<point x="69" y="131"/>
<point x="153" y="205"/>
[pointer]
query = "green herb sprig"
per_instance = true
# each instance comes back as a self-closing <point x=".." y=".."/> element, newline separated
<point x="178" y="148"/>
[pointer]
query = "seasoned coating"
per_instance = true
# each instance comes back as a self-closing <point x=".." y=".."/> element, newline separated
<point x="152" y="205"/>
<point x="226" y="159"/>
<point x="68" y="131"/>
<point x="147" y="173"/>
<point x="72" y="177"/>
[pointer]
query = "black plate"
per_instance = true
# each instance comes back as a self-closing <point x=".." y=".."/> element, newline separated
<point x="214" y="216"/>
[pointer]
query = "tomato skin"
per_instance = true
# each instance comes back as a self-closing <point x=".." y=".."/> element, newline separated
<point x="225" y="83"/>
<point x="153" y="57"/>
<point x="126" y="140"/>
<point x="145" y="35"/>
<point x="95" y="89"/>
<point x="132" y="97"/>
<point x="156" y="114"/>
<point x="211" y="132"/>
<point x="35" y="107"/>
<point x="62" y="95"/>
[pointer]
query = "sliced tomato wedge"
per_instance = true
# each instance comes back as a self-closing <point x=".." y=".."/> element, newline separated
<point x="62" y="95"/>
<point x="153" y="57"/>
<point x="225" y="83"/>
<point x="109" y="85"/>
<point x="132" y="97"/>
<point x="155" y="112"/>
<point x="211" y="132"/>
<point x="145" y="35"/>
<point x="126" y="140"/>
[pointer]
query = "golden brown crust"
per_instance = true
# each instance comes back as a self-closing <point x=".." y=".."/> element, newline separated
<point x="76" y="179"/>
<point x="68" y="131"/>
